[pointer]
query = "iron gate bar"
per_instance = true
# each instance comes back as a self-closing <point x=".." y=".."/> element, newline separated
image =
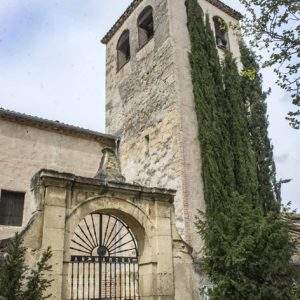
<point x="86" y="236"/>
<point x="77" y="280"/>
<point x="94" y="280"/>
<point x="100" y="229"/>
<point x="120" y="239"/>
<point x="125" y="281"/>
<point x="89" y="269"/>
<point x="106" y="228"/>
<point x="114" y="237"/>
<point x="77" y="258"/>
<point x="72" y="284"/>
<point x="94" y="228"/>
<point x="100" y="279"/>
<point x="82" y="241"/>
<point x="105" y="283"/>
<point x="83" y="273"/>
<point x="88" y="228"/>
<point x="97" y="259"/>
<point x="112" y="231"/>
<point x="115" y="264"/>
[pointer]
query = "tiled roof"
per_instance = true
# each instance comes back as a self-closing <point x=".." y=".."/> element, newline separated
<point x="56" y="126"/>
<point x="219" y="4"/>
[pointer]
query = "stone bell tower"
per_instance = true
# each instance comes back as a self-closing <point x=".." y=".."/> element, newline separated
<point x="150" y="102"/>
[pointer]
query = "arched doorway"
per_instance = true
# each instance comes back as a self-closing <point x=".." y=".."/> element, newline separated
<point x="104" y="260"/>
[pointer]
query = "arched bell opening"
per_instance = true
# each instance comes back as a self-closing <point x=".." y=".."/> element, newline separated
<point x="104" y="259"/>
<point x="221" y="33"/>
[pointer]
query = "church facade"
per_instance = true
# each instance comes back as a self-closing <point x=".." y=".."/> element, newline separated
<point x="118" y="209"/>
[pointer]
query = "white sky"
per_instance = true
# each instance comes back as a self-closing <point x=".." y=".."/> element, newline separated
<point x="52" y="65"/>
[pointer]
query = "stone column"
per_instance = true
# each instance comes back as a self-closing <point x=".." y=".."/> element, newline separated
<point x="54" y="233"/>
<point x="165" y="270"/>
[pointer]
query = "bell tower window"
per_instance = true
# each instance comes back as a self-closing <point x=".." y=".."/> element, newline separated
<point x="145" y="26"/>
<point x="123" y="50"/>
<point x="221" y="31"/>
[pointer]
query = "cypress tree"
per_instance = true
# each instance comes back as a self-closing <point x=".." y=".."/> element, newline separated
<point x="37" y="281"/>
<point x="244" y="159"/>
<point x="222" y="146"/>
<point x="255" y="99"/>
<point x="15" y="283"/>
<point x="247" y="248"/>
<point x="251" y="257"/>
<point x="206" y="109"/>
<point x="12" y="272"/>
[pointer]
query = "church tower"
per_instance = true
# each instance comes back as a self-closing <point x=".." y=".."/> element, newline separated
<point x="150" y="102"/>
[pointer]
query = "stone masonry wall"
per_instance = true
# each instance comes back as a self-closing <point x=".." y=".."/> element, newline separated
<point x="150" y="104"/>
<point x="141" y="107"/>
<point x="26" y="150"/>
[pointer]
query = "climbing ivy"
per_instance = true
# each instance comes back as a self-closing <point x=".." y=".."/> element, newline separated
<point x="247" y="246"/>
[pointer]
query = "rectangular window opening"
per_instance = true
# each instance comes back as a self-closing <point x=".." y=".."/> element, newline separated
<point x="11" y="208"/>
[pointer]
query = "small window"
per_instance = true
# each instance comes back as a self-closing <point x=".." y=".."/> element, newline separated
<point x="11" y="208"/>
<point x="145" y="26"/>
<point x="123" y="49"/>
<point x="221" y="31"/>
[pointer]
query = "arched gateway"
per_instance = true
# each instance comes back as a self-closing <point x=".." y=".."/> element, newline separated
<point x="110" y="239"/>
<point x="104" y="259"/>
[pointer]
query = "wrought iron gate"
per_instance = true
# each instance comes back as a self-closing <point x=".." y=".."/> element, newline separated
<point x="104" y="260"/>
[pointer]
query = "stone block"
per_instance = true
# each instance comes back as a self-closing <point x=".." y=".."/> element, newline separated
<point x="165" y="284"/>
<point x="163" y="226"/>
<point x="54" y="217"/>
<point x="55" y="196"/>
<point x="148" y="285"/>
<point x="53" y="238"/>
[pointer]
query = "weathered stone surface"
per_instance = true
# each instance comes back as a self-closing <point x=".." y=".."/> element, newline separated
<point x="150" y="105"/>
<point x="110" y="169"/>
<point x="120" y="199"/>
<point x="25" y="150"/>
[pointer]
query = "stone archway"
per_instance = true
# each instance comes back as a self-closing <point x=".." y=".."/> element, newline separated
<point x="66" y="200"/>
<point x="143" y="229"/>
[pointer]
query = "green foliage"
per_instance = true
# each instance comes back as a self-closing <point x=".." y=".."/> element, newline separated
<point x="255" y="100"/>
<point x="249" y="74"/>
<point x="206" y="103"/>
<point x="221" y="24"/>
<point x="12" y="273"/>
<point x="247" y="247"/>
<point x="244" y="161"/>
<point x="18" y="281"/>
<point x="274" y="26"/>
<point x="222" y="146"/>
<point x="37" y="282"/>
<point x="248" y="253"/>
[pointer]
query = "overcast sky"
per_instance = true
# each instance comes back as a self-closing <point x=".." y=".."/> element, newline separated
<point x="52" y="65"/>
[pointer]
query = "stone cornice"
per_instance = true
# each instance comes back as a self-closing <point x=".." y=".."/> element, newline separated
<point x="219" y="4"/>
<point x="57" y="127"/>
<point x="226" y="8"/>
<point x="51" y="177"/>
